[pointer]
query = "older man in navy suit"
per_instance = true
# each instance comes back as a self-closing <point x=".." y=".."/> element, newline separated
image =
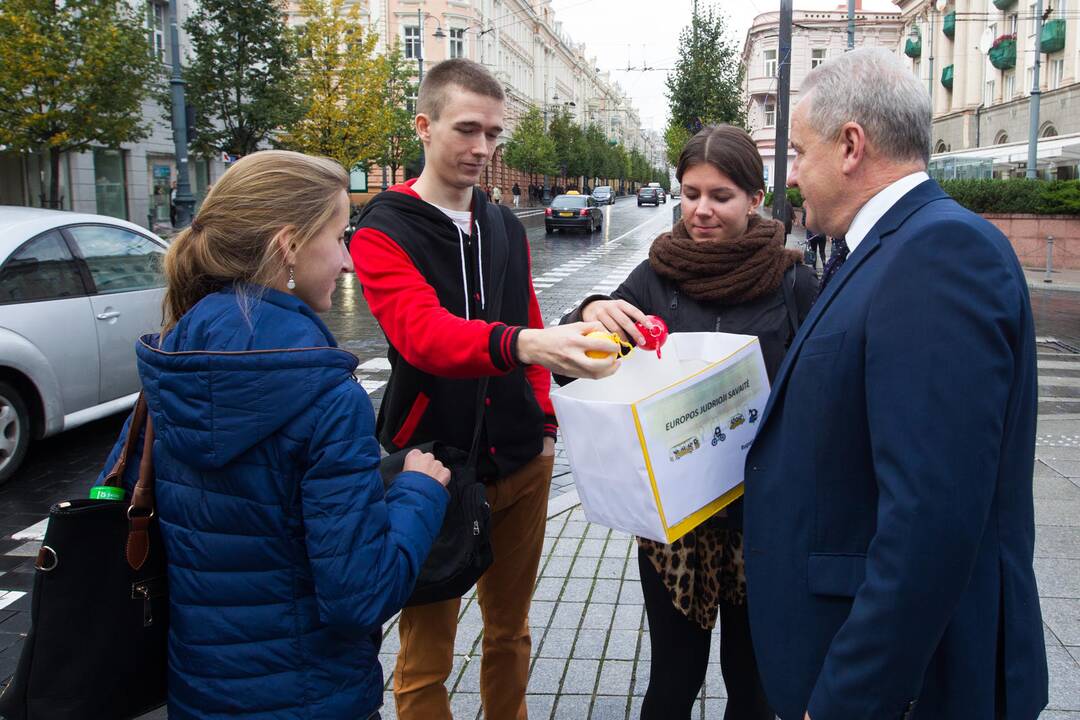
<point x="889" y="561"/>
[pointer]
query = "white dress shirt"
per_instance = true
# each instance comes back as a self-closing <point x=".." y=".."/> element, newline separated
<point x="877" y="206"/>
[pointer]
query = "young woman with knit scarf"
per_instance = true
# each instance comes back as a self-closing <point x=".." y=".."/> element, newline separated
<point x="722" y="268"/>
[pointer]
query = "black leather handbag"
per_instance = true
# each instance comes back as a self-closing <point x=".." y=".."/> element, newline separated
<point x="97" y="647"/>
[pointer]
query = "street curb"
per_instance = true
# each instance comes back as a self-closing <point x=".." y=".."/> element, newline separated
<point x="567" y="501"/>
<point x="1053" y="287"/>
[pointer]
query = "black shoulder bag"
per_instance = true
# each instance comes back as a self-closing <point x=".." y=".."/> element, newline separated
<point x="97" y="648"/>
<point x="462" y="551"/>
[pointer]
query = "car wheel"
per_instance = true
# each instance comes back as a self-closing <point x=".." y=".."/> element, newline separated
<point x="14" y="431"/>
<point x="639" y="204"/>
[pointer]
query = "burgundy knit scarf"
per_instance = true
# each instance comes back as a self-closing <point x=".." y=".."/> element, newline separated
<point x="731" y="271"/>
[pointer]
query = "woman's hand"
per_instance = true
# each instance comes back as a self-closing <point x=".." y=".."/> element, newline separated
<point x="617" y="316"/>
<point x="422" y="462"/>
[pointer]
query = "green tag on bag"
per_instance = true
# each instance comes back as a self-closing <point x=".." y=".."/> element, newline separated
<point x="106" y="492"/>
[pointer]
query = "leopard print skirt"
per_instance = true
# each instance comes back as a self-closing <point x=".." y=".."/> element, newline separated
<point x="699" y="569"/>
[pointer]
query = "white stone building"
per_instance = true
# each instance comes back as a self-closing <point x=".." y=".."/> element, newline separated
<point x="977" y="59"/>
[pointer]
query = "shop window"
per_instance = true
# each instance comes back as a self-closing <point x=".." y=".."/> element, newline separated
<point x="109" y="186"/>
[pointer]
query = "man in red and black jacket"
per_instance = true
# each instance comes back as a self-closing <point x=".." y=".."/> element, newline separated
<point x="448" y="277"/>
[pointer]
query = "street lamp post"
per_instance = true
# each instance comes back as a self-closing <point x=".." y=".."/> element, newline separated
<point x="185" y="201"/>
<point x="421" y="16"/>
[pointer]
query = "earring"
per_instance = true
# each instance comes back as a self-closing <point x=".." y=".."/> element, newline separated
<point x="292" y="279"/>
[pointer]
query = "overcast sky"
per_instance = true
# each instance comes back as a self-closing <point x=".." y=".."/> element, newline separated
<point x="637" y="32"/>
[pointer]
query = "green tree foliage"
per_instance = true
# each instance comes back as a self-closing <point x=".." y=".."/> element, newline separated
<point x="704" y="88"/>
<point x="343" y="87"/>
<point x="675" y="138"/>
<point x="530" y="148"/>
<point x="400" y="143"/>
<point x="241" y="79"/>
<point x="570" y="148"/>
<point x="73" y="74"/>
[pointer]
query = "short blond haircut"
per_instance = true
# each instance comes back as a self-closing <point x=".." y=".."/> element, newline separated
<point x="449" y="75"/>
<point x="231" y="239"/>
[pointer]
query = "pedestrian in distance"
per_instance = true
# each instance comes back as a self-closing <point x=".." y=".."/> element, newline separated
<point x="889" y="560"/>
<point x="722" y="268"/>
<point x="815" y="242"/>
<point x="496" y="195"/>
<point x="285" y="553"/>
<point x="446" y="274"/>
<point x="516" y="192"/>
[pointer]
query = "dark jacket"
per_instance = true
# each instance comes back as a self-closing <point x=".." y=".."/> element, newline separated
<point x="767" y="317"/>
<point x="285" y="554"/>
<point x="432" y="288"/>
<point x="889" y="560"/>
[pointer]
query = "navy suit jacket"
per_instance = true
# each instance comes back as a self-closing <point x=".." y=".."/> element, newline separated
<point x="889" y="520"/>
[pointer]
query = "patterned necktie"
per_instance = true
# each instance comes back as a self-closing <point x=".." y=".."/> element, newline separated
<point x="839" y="255"/>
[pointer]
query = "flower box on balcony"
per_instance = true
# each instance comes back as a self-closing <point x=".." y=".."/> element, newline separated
<point x="1003" y="52"/>
<point x="1053" y="36"/>
<point x="949" y="26"/>
<point x="913" y="47"/>
<point x="947" y="77"/>
<point x="1004" y="4"/>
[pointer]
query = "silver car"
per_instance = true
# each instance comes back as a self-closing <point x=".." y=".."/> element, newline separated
<point x="76" y="292"/>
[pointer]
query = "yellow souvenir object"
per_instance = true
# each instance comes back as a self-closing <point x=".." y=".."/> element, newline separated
<point x="624" y="347"/>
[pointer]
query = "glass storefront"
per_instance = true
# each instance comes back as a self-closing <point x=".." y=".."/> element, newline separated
<point x="109" y="185"/>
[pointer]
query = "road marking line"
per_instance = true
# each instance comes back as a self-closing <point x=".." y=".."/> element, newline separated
<point x="371" y="386"/>
<point x="10" y="597"/>
<point x="34" y="532"/>
<point x="376" y="364"/>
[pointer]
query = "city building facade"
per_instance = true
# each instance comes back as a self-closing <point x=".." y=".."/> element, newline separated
<point x="815" y="37"/>
<point x="526" y="47"/>
<point x="977" y="58"/>
<point x="132" y="181"/>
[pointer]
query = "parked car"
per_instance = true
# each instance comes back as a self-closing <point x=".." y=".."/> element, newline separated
<point x="76" y="292"/>
<point x="648" y="195"/>
<point x="603" y="195"/>
<point x="660" y="190"/>
<point x="573" y="211"/>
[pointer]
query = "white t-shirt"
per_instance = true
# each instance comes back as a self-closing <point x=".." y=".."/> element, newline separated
<point x="461" y="218"/>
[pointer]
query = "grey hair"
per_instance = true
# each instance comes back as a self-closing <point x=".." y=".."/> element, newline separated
<point x="872" y="87"/>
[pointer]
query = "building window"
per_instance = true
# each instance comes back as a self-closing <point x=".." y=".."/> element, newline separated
<point x="1014" y="23"/>
<point x="770" y="114"/>
<point x="1057" y="71"/>
<point x="940" y="147"/>
<point x="988" y="93"/>
<point x="457" y="42"/>
<point x="1048" y="131"/>
<point x="770" y="63"/>
<point x="410" y="105"/>
<point x="158" y="20"/>
<point x="1031" y="19"/>
<point x="109" y="187"/>
<point x="817" y="56"/>
<point x="1002" y="138"/>
<point x="1010" y="86"/>
<point x="412" y="42"/>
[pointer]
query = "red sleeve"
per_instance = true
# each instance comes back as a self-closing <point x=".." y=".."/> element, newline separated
<point x="539" y="376"/>
<point x="426" y="334"/>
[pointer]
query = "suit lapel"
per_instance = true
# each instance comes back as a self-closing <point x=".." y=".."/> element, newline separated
<point x="914" y="200"/>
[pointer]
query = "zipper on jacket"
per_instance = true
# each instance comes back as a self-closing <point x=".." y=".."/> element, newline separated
<point x="675" y="301"/>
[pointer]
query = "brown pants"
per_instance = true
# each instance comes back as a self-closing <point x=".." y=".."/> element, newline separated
<point x="518" y="517"/>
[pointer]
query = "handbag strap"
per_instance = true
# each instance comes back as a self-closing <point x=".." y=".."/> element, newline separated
<point x="115" y="478"/>
<point x="141" y="510"/>
<point x="789" y="301"/>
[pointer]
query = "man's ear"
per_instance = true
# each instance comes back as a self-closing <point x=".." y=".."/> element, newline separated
<point x="852" y="146"/>
<point x="284" y="239"/>
<point x="422" y="123"/>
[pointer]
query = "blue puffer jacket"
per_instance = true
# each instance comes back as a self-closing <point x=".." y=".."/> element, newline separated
<point x="285" y="555"/>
